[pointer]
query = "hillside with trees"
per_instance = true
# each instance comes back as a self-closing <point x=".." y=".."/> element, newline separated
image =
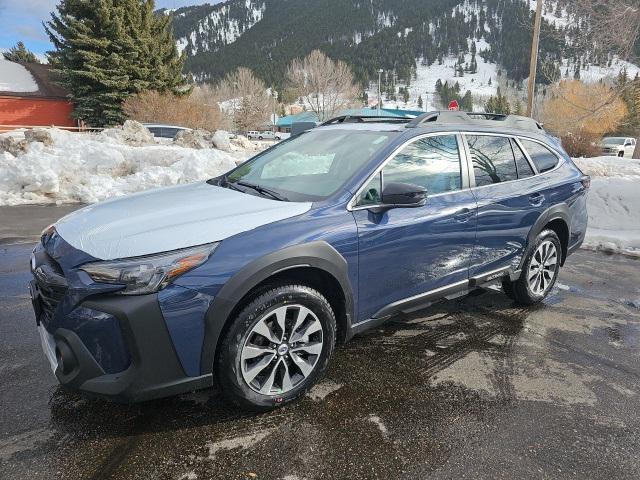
<point x="388" y="34"/>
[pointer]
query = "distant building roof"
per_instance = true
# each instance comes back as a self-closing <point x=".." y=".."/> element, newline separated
<point x="29" y="80"/>
<point x="362" y="112"/>
<point x="298" y="117"/>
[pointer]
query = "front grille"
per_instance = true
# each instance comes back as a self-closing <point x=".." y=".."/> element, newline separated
<point x="51" y="284"/>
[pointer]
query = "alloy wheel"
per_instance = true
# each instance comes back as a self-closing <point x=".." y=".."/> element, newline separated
<point x="281" y="350"/>
<point x="542" y="268"/>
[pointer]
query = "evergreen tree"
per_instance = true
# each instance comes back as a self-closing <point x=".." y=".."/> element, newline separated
<point x="518" y="109"/>
<point x="466" y="104"/>
<point x="498" y="104"/>
<point x="420" y="103"/>
<point x="20" y="54"/>
<point x="107" y="50"/>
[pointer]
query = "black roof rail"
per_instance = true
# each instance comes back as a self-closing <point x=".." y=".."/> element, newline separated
<point x="478" y="119"/>
<point x="366" y="118"/>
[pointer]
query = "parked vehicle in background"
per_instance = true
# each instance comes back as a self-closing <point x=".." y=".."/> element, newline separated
<point x="164" y="131"/>
<point x="618" y="146"/>
<point x="267" y="135"/>
<point x="249" y="280"/>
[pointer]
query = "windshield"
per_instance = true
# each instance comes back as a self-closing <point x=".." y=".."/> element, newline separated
<point x="309" y="167"/>
<point x="614" y="141"/>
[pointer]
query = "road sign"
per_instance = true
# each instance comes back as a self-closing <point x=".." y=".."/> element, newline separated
<point x="454" y="105"/>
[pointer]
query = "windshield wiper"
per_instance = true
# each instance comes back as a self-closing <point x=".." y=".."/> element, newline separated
<point x="263" y="191"/>
<point x="224" y="183"/>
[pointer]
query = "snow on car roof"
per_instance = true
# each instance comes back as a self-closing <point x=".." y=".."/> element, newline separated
<point x="15" y="78"/>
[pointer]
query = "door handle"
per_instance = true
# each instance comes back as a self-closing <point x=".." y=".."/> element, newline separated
<point x="536" y="199"/>
<point x="463" y="215"/>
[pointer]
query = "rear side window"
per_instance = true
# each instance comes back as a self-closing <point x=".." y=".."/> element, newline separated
<point x="543" y="158"/>
<point x="493" y="160"/>
<point x="524" y="168"/>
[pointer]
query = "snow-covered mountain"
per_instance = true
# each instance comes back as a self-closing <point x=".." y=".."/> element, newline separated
<point x="478" y="44"/>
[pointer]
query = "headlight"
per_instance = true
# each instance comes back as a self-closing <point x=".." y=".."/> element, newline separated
<point x="150" y="273"/>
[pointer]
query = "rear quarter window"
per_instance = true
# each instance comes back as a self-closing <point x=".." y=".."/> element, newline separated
<point x="542" y="157"/>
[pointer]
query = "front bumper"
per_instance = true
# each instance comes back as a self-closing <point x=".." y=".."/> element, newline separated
<point x="154" y="369"/>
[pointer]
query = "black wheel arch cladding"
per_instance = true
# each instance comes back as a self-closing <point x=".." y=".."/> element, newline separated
<point x="318" y="254"/>
<point x="554" y="213"/>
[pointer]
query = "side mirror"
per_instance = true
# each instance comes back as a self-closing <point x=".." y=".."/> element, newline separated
<point x="403" y="195"/>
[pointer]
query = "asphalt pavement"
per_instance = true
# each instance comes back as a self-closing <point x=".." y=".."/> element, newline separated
<point x="471" y="388"/>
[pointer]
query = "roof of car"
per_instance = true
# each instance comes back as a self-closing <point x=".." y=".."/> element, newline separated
<point x="443" y="121"/>
<point x="162" y="125"/>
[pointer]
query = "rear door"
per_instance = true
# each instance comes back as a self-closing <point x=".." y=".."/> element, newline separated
<point x="406" y="252"/>
<point x="509" y="201"/>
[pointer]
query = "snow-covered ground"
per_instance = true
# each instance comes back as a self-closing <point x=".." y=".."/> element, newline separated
<point x="613" y="204"/>
<point x="87" y="168"/>
<point x="15" y="78"/>
<point x="427" y="75"/>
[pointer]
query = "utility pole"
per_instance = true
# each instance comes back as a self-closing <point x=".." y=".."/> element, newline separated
<point x="379" y="81"/>
<point x="534" y="58"/>
<point x="274" y="96"/>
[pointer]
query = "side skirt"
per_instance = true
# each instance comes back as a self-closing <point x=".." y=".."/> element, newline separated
<point x="424" y="300"/>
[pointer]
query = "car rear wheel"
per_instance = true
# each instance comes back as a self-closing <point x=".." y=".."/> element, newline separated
<point x="276" y="348"/>
<point x="540" y="271"/>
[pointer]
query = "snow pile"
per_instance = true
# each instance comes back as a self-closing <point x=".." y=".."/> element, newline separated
<point x="15" y="78"/>
<point x="86" y="167"/>
<point x="613" y="204"/>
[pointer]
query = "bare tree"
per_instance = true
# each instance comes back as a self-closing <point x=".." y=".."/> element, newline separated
<point x="324" y="85"/>
<point x="193" y="110"/>
<point x="246" y="98"/>
<point x="608" y="26"/>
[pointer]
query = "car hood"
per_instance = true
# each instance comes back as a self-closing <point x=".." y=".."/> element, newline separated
<point x="168" y="219"/>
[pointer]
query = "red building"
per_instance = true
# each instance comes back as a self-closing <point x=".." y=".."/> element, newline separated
<point x="46" y="106"/>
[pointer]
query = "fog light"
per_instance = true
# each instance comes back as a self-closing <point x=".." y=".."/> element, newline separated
<point x="66" y="359"/>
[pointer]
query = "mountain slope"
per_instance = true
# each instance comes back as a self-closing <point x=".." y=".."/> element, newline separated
<point x="399" y="36"/>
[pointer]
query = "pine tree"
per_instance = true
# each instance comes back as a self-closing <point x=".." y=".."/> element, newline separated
<point x="420" y="103"/>
<point x="20" y="54"/>
<point x="498" y="104"/>
<point x="107" y="50"/>
<point x="466" y="104"/>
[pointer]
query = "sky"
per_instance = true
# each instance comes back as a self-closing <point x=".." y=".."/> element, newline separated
<point x="22" y="20"/>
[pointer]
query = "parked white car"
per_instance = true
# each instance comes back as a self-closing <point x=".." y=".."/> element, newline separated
<point x="618" y="146"/>
<point x="267" y="135"/>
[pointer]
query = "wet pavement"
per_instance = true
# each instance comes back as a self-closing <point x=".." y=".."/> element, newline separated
<point x="472" y="388"/>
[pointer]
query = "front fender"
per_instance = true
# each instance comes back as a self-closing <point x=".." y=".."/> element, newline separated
<point x="318" y="254"/>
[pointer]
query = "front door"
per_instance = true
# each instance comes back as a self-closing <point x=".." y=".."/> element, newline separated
<point x="405" y="252"/>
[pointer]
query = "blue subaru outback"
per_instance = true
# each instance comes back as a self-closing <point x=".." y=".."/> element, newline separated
<point x="249" y="280"/>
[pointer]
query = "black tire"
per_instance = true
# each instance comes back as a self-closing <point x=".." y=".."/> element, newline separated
<point x="621" y="154"/>
<point x="520" y="290"/>
<point x="260" y="138"/>
<point x="228" y="366"/>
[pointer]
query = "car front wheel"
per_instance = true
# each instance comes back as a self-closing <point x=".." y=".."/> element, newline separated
<point x="540" y="271"/>
<point x="277" y="347"/>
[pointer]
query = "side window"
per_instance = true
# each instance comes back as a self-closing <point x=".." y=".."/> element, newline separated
<point x="432" y="163"/>
<point x="493" y="160"/>
<point x="544" y="158"/>
<point x="524" y="168"/>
